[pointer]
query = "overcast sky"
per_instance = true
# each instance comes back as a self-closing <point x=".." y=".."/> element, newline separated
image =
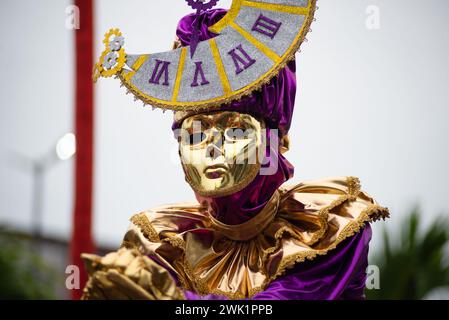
<point x="372" y="103"/>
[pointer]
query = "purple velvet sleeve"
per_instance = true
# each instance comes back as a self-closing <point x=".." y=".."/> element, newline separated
<point x="340" y="274"/>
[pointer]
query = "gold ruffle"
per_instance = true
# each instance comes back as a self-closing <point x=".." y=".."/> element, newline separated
<point x="311" y="219"/>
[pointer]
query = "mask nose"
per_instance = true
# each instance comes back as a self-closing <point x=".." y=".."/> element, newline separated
<point x="215" y="147"/>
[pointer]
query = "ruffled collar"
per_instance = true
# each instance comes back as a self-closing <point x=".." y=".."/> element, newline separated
<point x="309" y="219"/>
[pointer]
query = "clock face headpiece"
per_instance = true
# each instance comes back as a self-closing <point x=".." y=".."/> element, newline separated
<point x="253" y="42"/>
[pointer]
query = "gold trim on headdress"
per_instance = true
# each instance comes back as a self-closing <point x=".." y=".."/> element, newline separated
<point x="224" y="83"/>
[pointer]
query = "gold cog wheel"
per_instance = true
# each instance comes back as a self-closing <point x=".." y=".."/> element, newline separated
<point x="121" y="60"/>
<point x="107" y="37"/>
<point x="99" y="69"/>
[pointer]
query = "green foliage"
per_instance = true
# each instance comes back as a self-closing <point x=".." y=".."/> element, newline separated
<point x="413" y="263"/>
<point x="23" y="273"/>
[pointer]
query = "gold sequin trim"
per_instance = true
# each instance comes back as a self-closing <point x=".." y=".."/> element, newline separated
<point x="141" y="220"/>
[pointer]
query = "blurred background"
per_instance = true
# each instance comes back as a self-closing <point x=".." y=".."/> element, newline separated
<point x="372" y="102"/>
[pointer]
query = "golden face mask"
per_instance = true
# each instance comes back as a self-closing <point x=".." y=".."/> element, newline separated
<point x="221" y="152"/>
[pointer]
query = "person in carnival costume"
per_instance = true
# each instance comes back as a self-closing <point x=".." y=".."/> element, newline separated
<point x="249" y="235"/>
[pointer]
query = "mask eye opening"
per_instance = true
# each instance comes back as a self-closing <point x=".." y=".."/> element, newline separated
<point x="195" y="138"/>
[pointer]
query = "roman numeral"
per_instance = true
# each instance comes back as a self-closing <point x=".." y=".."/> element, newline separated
<point x="160" y="69"/>
<point x="242" y="61"/>
<point x="266" y="26"/>
<point x="199" y="72"/>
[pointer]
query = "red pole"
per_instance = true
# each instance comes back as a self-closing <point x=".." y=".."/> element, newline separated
<point x="84" y="124"/>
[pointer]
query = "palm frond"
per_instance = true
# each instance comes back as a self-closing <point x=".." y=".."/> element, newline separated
<point x="413" y="262"/>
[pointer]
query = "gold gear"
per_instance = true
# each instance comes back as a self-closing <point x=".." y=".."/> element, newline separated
<point x="121" y="60"/>
<point x="99" y="70"/>
<point x="112" y="32"/>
